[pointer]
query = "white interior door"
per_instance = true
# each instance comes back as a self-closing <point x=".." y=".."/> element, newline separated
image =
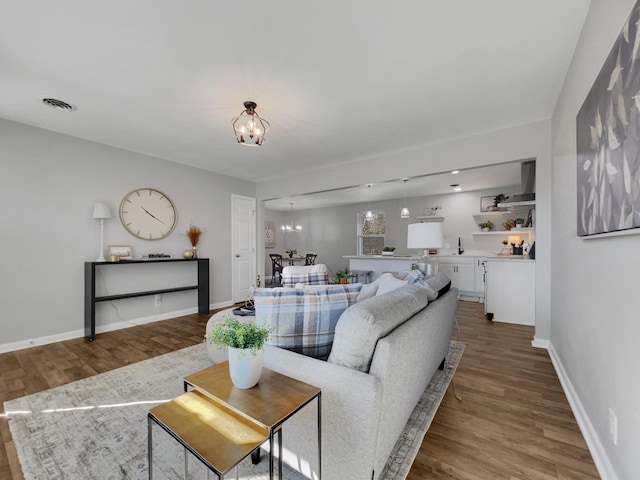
<point x="243" y="240"/>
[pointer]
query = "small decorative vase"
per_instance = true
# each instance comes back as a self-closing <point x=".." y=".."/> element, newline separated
<point x="187" y="254"/>
<point x="484" y="229"/>
<point x="245" y="368"/>
<point x="194" y="249"/>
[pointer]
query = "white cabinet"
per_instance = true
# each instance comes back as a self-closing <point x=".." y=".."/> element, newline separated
<point x="511" y="291"/>
<point x="461" y="271"/>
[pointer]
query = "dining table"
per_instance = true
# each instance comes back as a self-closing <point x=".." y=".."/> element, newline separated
<point x="294" y="260"/>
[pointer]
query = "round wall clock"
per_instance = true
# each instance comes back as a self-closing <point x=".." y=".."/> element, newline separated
<point x="147" y="213"/>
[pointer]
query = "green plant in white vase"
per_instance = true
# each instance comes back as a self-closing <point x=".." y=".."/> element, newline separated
<point x="245" y="342"/>
<point x="486" y="226"/>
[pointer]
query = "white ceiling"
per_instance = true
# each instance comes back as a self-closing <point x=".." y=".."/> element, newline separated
<point x="337" y="80"/>
<point x="495" y="176"/>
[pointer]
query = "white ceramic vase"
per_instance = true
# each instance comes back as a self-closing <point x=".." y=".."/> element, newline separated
<point x="245" y="367"/>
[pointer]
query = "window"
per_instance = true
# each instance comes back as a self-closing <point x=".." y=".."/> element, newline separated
<point x="370" y="234"/>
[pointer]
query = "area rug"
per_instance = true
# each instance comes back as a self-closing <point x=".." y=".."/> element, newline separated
<point x="96" y="428"/>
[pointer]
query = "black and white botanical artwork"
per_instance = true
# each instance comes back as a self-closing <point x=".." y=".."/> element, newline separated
<point x="608" y="140"/>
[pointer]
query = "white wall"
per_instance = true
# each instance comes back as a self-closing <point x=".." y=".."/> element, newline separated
<point x="595" y="316"/>
<point x="48" y="185"/>
<point x="531" y="141"/>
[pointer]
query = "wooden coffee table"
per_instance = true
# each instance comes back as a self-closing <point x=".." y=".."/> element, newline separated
<point x="274" y="400"/>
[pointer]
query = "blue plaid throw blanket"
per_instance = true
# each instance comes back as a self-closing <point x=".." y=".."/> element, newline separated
<point x="304" y="320"/>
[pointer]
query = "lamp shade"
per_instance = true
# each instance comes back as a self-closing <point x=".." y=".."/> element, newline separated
<point x="425" y="235"/>
<point x="101" y="211"/>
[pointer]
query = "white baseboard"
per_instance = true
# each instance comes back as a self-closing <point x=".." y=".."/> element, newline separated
<point x="605" y="469"/>
<point x="540" y="343"/>
<point x="61" y="337"/>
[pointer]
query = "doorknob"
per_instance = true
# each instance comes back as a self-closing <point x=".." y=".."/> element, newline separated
<point x="237" y="255"/>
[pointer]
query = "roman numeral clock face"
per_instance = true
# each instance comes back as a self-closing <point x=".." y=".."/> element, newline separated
<point x="148" y="214"/>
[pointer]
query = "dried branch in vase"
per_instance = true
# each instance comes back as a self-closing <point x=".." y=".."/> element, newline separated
<point x="194" y="235"/>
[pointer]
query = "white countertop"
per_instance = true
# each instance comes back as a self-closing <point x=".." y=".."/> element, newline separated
<point x="509" y="259"/>
<point x="382" y="257"/>
<point x="470" y="254"/>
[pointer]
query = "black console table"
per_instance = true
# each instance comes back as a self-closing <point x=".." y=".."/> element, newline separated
<point x="90" y="298"/>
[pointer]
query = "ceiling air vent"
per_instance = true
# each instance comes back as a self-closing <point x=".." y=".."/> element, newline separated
<point x="58" y="104"/>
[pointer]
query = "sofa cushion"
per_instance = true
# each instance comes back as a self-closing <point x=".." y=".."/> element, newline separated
<point x="304" y="320"/>
<point x="362" y="324"/>
<point x="437" y="285"/>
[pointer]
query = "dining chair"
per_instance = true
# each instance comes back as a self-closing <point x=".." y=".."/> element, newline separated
<point x="310" y="259"/>
<point x="276" y="266"/>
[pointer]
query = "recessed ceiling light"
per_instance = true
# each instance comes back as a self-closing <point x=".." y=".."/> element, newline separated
<point x="457" y="189"/>
<point x="59" y="104"/>
<point x="455" y="172"/>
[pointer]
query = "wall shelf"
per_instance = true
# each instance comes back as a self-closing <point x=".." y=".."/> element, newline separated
<point x="431" y="218"/>
<point x="491" y="214"/>
<point x="506" y="232"/>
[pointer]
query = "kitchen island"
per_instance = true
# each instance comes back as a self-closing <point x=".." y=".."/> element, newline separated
<point x="379" y="264"/>
<point x="510" y="290"/>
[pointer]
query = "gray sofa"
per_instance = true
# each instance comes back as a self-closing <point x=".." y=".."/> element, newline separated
<point x="385" y="351"/>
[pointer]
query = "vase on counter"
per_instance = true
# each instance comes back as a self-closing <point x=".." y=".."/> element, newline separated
<point x="194" y="251"/>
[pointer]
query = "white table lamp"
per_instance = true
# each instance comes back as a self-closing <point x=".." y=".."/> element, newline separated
<point x="425" y="236"/>
<point x="101" y="211"/>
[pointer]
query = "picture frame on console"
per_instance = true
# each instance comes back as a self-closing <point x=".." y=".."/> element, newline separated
<point x="123" y="252"/>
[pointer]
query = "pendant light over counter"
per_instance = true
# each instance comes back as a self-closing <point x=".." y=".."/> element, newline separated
<point x="404" y="213"/>
<point x="369" y="215"/>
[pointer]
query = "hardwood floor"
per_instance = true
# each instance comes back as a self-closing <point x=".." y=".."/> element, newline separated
<point x="513" y="423"/>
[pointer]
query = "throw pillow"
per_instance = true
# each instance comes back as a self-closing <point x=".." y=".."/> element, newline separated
<point x="368" y="290"/>
<point x="387" y="283"/>
<point x="411" y="276"/>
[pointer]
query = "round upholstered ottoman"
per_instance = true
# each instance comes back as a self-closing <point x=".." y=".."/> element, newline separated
<point x="219" y="354"/>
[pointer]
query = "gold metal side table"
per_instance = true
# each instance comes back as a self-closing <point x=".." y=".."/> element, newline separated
<point x="274" y="400"/>
<point x="214" y="434"/>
